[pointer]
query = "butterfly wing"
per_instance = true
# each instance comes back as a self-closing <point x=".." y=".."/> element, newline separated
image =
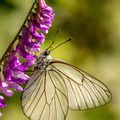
<point x="84" y="91"/>
<point x="49" y="94"/>
<point x="42" y="100"/>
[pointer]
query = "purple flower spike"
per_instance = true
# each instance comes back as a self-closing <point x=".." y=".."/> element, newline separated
<point x="22" y="56"/>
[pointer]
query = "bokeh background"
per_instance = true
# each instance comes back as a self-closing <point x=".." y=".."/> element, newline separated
<point x="94" y="26"/>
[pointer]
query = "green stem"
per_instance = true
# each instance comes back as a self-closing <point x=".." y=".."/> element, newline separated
<point x="14" y="40"/>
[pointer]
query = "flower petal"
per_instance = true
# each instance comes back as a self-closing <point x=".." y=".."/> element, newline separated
<point x="2" y="104"/>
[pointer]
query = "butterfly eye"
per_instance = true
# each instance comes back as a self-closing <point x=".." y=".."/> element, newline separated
<point x="47" y="52"/>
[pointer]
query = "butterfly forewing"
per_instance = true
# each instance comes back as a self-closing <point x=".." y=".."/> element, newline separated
<point x="49" y="94"/>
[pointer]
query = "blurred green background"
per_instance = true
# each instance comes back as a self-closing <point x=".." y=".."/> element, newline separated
<point x="94" y="26"/>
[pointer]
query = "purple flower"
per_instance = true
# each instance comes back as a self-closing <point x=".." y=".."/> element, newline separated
<point x="26" y="46"/>
<point x="4" y="88"/>
<point x="5" y="91"/>
<point x="39" y="37"/>
<point x="14" y="75"/>
<point x="15" y="64"/>
<point x="43" y="17"/>
<point x="25" y="54"/>
<point x="2" y="103"/>
<point x="14" y="72"/>
<point x="14" y="85"/>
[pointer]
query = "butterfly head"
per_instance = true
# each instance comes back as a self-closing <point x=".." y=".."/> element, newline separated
<point x="46" y="52"/>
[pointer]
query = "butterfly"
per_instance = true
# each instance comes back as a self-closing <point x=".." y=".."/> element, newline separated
<point x="56" y="86"/>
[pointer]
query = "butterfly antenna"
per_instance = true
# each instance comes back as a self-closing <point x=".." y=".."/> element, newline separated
<point x="61" y="44"/>
<point x="53" y="41"/>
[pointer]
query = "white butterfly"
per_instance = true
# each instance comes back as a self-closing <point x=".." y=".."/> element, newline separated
<point x="56" y="86"/>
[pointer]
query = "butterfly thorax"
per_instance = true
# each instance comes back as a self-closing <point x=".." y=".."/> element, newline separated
<point x="43" y="61"/>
